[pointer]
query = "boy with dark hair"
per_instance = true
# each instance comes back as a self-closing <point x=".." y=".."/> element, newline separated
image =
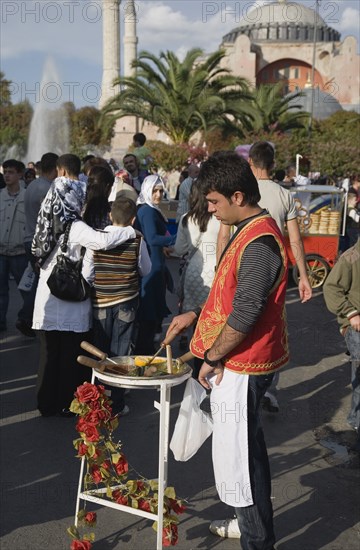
<point x="142" y="152"/>
<point x="12" y="252"/>
<point x="114" y="275"/>
<point x="69" y="166"/>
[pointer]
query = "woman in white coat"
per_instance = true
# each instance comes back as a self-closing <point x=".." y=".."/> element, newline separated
<point x="62" y="325"/>
<point x="197" y="237"/>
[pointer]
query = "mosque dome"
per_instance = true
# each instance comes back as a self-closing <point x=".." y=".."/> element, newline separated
<point x="283" y="21"/>
<point x="325" y="104"/>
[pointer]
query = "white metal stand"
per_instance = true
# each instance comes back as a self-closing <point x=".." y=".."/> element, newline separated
<point x="164" y="385"/>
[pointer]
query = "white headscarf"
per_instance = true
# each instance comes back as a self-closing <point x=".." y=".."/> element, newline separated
<point x="146" y="192"/>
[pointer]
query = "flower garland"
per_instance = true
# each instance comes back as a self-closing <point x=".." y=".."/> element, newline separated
<point x="107" y="467"/>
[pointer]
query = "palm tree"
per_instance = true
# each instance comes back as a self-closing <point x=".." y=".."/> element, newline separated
<point x="181" y="97"/>
<point x="275" y="112"/>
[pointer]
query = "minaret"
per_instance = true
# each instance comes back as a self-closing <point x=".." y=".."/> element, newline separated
<point x="130" y="38"/>
<point x="111" y="50"/>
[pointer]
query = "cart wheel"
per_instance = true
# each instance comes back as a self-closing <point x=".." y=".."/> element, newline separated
<point x="317" y="270"/>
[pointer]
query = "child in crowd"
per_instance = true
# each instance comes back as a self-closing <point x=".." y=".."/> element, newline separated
<point x="142" y="152"/>
<point x="115" y="276"/>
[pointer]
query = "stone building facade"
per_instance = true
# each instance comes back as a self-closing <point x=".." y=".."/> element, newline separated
<point x="280" y="42"/>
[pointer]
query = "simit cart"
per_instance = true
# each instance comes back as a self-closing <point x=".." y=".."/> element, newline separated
<point x="321" y="217"/>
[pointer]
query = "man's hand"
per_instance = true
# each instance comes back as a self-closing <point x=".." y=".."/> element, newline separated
<point x="180" y="323"/>
<point x="355" y="322"/>
<point x="167" y="251"/>
<point x="206" y="370"/>
<point x="305" y="290"/>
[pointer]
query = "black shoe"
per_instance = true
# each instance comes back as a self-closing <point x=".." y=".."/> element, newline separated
<point x="24" y="328"/>
<point x="66" y="413"/>
<point x="3" y="327"/>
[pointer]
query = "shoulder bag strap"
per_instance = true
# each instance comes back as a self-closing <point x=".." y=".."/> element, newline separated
<point x="64" y="245"/>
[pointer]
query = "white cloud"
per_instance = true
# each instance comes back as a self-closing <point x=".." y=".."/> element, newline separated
<point x="163" y="28"/>
<point x="350" y="19"/>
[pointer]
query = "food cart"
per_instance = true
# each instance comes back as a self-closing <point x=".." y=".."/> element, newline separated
<point x="322" y="218"/>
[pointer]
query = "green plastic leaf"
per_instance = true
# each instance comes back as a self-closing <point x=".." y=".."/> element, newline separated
<point x="73" y="532"/>
<point x="170" y="492"/>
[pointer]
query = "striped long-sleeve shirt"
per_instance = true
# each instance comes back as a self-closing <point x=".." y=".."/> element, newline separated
<point x="115" y="274"/>
<point x="259" y="269"/>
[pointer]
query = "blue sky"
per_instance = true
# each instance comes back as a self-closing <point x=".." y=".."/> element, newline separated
<point x="70" y="32"/>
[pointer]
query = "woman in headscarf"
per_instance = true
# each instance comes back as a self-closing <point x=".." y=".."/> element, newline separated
<point x="62" y="325"/>
<point x="152" y="224"/>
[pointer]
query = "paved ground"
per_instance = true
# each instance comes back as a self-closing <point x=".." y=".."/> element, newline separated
<point x="315" y="478"/>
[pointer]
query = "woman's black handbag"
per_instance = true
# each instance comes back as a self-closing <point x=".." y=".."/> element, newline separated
<point x="66" y="281"/>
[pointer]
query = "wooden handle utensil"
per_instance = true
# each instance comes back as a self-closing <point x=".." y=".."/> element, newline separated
<point x="169" y="359"/>
<point x="88" y="362"/>
<point x="96" y="351"/>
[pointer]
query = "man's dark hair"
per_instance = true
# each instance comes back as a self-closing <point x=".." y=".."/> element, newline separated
<point x="140" y="138"/>
<point x="71" y="163"/>
<point x="22" y="166"/>
<point x="48" y="162"/>
<point x="131" y="155"/>
<point x="123" y="210"/>
<point x="13" y="163"/>
<point x="86" y="158"/>
<point x="279" y="175"/>
<point x="227" y="173"/>
<point x="262" y="154"/>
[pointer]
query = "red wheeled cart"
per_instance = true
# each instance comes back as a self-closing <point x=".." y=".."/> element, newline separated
<point x="322" y="218"/>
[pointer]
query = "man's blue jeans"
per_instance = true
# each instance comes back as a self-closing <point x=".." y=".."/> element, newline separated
<point x="113" y="333"/>
<point x="16" y="266"/>
<point x="352" y="338"/>
<point x="256" y="521"/>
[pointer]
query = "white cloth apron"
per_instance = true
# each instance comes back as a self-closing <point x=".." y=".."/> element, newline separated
<point x="230" y="439"/>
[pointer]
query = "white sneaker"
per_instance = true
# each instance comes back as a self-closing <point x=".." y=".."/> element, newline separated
<point x="226" y="528"/>
<point x="270" y="403"/>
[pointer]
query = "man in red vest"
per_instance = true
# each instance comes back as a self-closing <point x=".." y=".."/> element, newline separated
<point x="241" y="334"/>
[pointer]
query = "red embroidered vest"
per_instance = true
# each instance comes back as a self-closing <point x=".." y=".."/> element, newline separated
<point x="265" y="348"/>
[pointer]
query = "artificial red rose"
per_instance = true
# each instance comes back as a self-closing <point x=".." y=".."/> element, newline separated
<point x="122" y="466"/>
<point x="87" y="393"/>
<point x="96" y="454"/>
<point x="106" y="465"/>
<point x="82" y="450"/>
<point x="144" y="505"/>
<point x="170" y="535"/>
<point x="176" y="506"/>
<point x="96" y="416"/>
<point x="80" y="545"/>
<point x="96" y="474"/>
<point x="140" y="485"/>
<point x="90" y="518"/>
<point x="89" y="430"/>
<point x="119" y="497"/>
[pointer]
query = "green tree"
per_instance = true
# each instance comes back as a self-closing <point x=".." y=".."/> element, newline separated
<point x="181" y="97"/>
<point x="14" y="129"/>
<point x="5" y="92"/>
<point x="274" y="111"/>
<point x="90" y="130"/>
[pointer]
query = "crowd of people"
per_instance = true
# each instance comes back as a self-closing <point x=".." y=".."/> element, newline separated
<point x="234" y="270"/>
